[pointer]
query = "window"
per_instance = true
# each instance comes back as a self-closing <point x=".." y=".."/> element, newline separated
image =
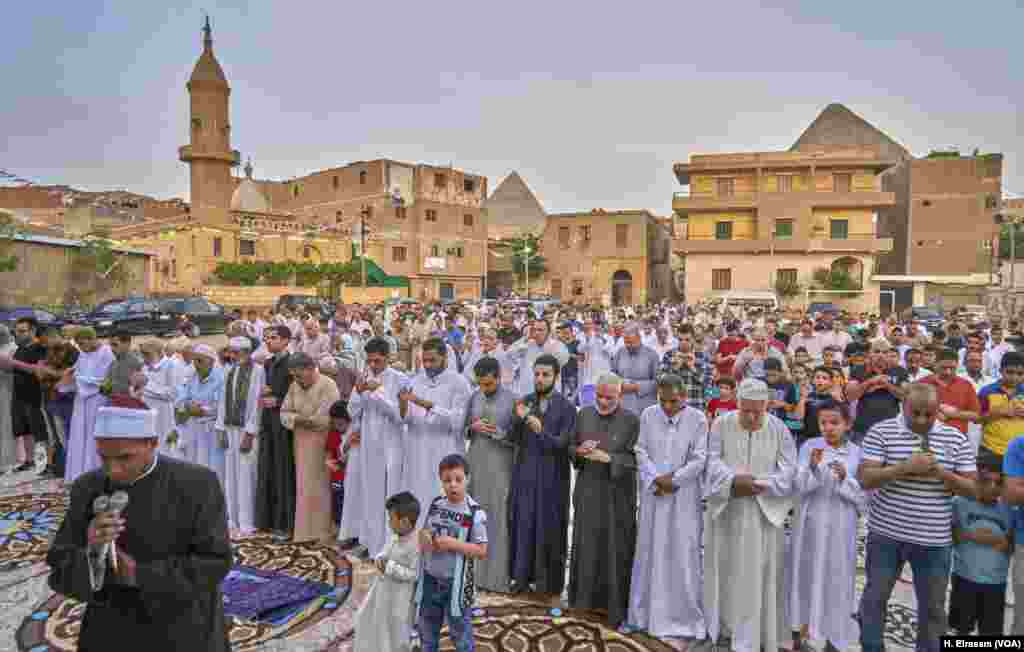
<point x="784" y="229"/>
<point x="723" y="230"/>
<point x="621" y="235"/>
<point x="785" y="183"/>
<point x="362" y="178"/>
<point x="839" y="229"/>
<point x="721" y="279"/>
<point x="726" y="187"/>
<point x="842" y="182"/>
<point x="786" y="277"/>
<point x="467" y="220"/>
<point x="307" y="251"/>
<point x="577" y="288"/>
<point x="338" y="217"/>
<point x="197" y="123"/>
<point x="217" y="247"/>
<point x="246" y="247"/>
<point x="430" y="215"/>
<point x="469" y="185"/>
<point x="400" y="212"/>
<point x="435" y="251"/>
<point x="556" y="287"/>
<point x="563" y="237"/>
<point x="334" y="182"/>
<point x="440" y="180"/>
<point x="459" y="252"/>
<point x="174" y="268"/>
<point x="295" y="190"/>
<point x="398" y="254"/>
<point x="991" y="202"/>
<point x="585" y="233"/>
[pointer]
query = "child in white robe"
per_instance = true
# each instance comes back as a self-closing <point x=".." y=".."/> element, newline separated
<point x="823" y="562"/>
<point x="384" y="621"/>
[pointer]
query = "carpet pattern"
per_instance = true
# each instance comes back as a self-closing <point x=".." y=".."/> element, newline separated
<point x="313" y="572"/>
<point x="27" y="524"/>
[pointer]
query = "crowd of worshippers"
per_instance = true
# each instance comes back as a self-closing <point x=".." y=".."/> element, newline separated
<point x="718" y="464"/>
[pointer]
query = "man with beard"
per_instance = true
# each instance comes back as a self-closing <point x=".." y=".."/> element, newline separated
<point x="375" y="450"/>
<point x="539" y="502"/>
<point x="690" y="367"/>
<point x="90" y="370"/>
<point x="748" y="486"/>
<point x="432" y="405"/>
<point x="488" y="422"/>
<point x="275" y="482"/>
<point x="665" y="600"/>
<point x="637" y="365"/>
<point x="525" y="353"/>
<point x="27" y="423"/>
<point x="604" y="500"/>
<point x="879" y="388"/>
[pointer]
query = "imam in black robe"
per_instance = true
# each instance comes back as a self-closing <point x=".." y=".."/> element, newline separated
<point x="176" y="530"/>
<point x="539" y="499"/>
<point x="605" y="507"/>
<point x="275" y="481"/>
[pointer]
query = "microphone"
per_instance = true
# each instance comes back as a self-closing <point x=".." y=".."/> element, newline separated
<point x="99" y="505"/>
<point x="118" y="501"/>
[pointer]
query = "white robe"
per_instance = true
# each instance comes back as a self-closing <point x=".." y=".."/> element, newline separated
<point x="823" y="560"/>
<point x="743" y="537"/>
<point x="197" y="436"/>
<point x="598" y="359"/>
<point x="159" y="395"/>
<point x="524" y="353"/>
<point x="666" y="593"/>
<point x="374" y="468"/>
<point x="240" y="468"/>
<point x="384" y="620"/>
<point x="430" y="436"/>
<point x="90" y="372"/>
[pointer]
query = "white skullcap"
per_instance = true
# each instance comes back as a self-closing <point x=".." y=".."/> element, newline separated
<point x="240" y="344"/>
<point x="753" y="389"/>
<point x="205" y="350"/>
<point x="631" y="328"/>
<point x="125" y="423"/>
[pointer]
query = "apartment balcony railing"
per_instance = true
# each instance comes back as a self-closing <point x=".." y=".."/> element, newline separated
<point x="687" y="203"/>
<point x="855" y="244"/>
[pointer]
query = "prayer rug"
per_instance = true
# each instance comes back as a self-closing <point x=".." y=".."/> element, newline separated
<point x="27" y="523"/>
<point x="276" y="590"/>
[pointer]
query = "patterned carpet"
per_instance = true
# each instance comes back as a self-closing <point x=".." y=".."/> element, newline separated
<point x="33" y="619"/>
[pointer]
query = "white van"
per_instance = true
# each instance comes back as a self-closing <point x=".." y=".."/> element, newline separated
<point x="763" y="299"/>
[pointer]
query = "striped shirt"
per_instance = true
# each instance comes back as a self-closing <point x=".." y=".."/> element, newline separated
<point x="915" y="510"/>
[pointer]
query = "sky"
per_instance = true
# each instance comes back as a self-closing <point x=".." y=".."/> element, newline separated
<point x="591" y="103"/>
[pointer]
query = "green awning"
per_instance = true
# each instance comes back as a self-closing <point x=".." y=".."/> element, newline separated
<point x="375" y="276"/>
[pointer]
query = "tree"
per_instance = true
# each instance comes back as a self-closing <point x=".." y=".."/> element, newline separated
<point x="10" y="229"/>
<point x="97" y="267"/>
<point x="836" y="279"/>
<point x="517" y="249"/>
<point x="1004" y="242"/>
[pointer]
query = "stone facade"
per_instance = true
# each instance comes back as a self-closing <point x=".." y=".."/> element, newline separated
<point x="611" y="257"/>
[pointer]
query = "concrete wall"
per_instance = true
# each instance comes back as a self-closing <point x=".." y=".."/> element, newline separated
<point x="267" y="296"/>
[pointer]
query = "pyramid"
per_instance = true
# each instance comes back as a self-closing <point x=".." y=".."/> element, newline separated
<point x="513" y="209"/>
<point x="838" y="126"/>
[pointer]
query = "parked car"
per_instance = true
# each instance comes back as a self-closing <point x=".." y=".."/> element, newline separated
<point x="9" y="315"/>
<point x="300" y="301"/>
<point x="209" y="318"/>
<point x="133" y="316"/>
<point x="930" y="317"/>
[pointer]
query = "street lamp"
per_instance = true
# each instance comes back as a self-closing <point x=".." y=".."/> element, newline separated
<point x="526" y="267"/>
<point x="1012" y="219"/>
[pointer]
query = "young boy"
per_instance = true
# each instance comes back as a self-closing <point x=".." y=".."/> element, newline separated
<point x="337" y="455"/>
<point x="455" y="533"/>
<point x="983" y="541"/>
<point x="726" y="401"/>
<point x="788" y="405"/>
<point x="823" y="385"/>
<point x="384" y="620"/>
<point x="1002" y="405"/>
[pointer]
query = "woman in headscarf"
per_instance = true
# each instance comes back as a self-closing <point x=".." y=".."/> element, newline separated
<point x="8" y="452"/>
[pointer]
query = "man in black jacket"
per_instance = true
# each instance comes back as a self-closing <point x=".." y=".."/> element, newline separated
<point x="275" y="484"/>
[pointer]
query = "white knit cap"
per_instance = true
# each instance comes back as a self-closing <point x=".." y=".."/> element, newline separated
<point x="125" y="423"/>
<point x="240" y="344"/>
<point x="753" y="389"/>
<point x="205" y="350"/>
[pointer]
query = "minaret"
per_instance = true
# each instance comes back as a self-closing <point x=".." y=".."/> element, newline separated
<point x="209" y="154"/>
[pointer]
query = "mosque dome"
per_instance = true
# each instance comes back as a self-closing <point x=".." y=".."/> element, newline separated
<point x="249" y="198"/>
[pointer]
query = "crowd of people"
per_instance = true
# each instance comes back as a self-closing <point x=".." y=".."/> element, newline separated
<point x="686" y="442"/>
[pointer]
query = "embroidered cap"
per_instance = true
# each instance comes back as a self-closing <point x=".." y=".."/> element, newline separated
<point x="753" y="389"/>
<point x="125" y="423"/>
<point x="205" y="350"/>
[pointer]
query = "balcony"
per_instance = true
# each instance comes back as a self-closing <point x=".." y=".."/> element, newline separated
<point x="187" y="153"/>
<point x="684" y="203"/>
<point x="862" y="245"/>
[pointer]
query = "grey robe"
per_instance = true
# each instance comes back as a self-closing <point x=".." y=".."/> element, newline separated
<point x="640" y="367"/>
<point x="490" y="463"/>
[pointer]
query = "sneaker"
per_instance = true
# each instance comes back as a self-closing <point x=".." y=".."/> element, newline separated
<point x="27" y="466"/>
